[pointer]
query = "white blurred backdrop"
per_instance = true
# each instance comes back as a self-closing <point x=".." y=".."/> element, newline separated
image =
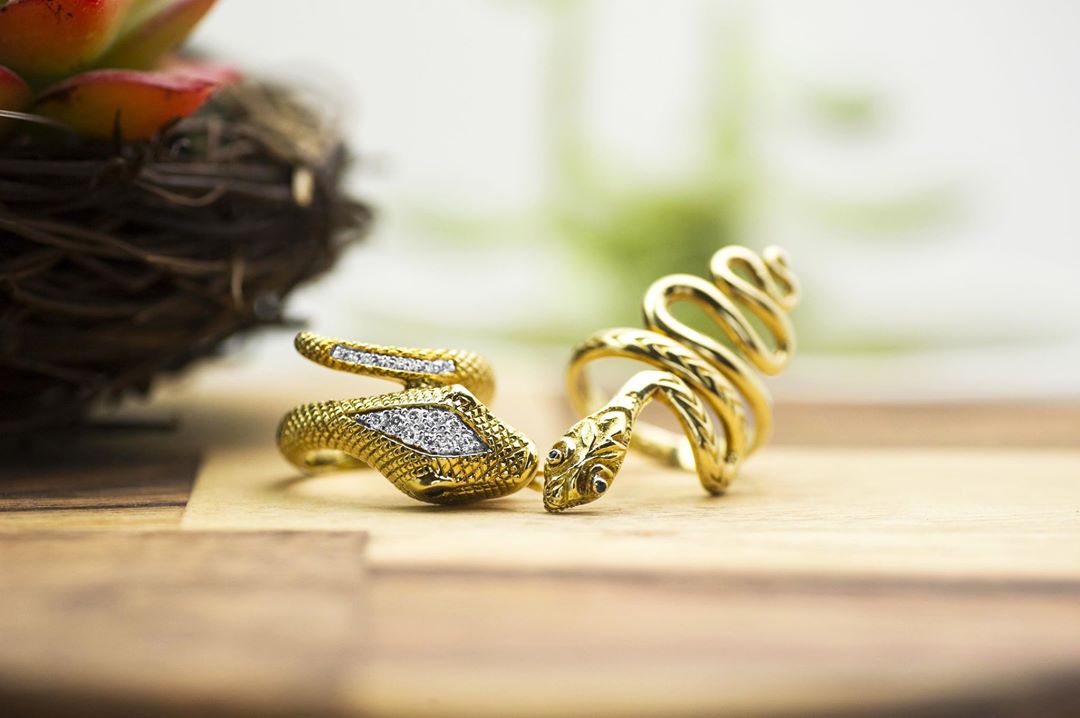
<point x="919" y="161"/>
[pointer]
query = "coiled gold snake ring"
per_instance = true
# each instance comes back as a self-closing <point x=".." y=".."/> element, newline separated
<point x="435" y="440"/>
<point x="694" y="375"/>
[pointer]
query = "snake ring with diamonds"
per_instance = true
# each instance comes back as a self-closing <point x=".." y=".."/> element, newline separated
<point x="693" y="374"/>
<point x="435" y="440"/>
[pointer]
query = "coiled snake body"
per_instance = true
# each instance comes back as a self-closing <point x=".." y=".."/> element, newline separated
<point x="693" y="374"/>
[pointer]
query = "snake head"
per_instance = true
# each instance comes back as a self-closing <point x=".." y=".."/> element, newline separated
<point x="582" y="464"/>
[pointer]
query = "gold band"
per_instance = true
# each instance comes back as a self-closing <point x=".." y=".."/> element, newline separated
<point x="435" y="440"/>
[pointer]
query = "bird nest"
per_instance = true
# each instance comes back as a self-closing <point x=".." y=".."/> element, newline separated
<point x="122" y="261"/>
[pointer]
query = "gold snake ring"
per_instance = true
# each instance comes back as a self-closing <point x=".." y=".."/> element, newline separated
<point x="434" y="440"/>
<point x="694" y="375"/>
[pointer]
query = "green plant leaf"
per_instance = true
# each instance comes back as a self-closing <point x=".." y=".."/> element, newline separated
<point x="157" y="28"/>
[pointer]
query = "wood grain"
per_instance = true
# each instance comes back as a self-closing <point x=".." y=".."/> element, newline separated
<point x="178" y="623"/>
<point x="95" y="484"/>
<point x="287" y="623"/>
<point x="889" y="560"/>
<point x="626" y="644"/>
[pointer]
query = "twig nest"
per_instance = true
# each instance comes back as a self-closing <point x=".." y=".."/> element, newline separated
<point x="120" y="261"/>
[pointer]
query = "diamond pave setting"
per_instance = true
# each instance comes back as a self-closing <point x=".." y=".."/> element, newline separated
<point x="435" y="431"/>
<point x="388" y="361"/>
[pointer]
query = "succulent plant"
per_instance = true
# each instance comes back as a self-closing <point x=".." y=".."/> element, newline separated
<point x="101" y="67"/>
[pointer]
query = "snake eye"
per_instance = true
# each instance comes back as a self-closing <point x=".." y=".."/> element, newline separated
<point x="559" y="452"/>
<point x="600" y="478"/>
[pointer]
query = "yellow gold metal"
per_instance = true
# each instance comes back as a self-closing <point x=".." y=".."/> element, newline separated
<point x="698" y="377"/>
<point x="435" y="440"/>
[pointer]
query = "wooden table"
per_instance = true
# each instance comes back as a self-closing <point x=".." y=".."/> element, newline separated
<point x="882" y="560"/>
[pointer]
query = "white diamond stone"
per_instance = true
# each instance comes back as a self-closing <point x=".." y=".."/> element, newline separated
<point x="432" y="430"/>
<point x="388" y="361"/>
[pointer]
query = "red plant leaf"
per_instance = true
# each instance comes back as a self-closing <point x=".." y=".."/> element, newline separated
<point x="50" y="38"/>
<point x="140" y="103"/>
<point x="157" y="27"/>
<point x="14" y="93"/>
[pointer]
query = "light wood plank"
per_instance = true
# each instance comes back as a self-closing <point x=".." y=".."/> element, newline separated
<point x="873" y="511"/>
<point x="992" y="424"/>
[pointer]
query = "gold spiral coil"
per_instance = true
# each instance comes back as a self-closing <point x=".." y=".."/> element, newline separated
<point x="695" y="375"/>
